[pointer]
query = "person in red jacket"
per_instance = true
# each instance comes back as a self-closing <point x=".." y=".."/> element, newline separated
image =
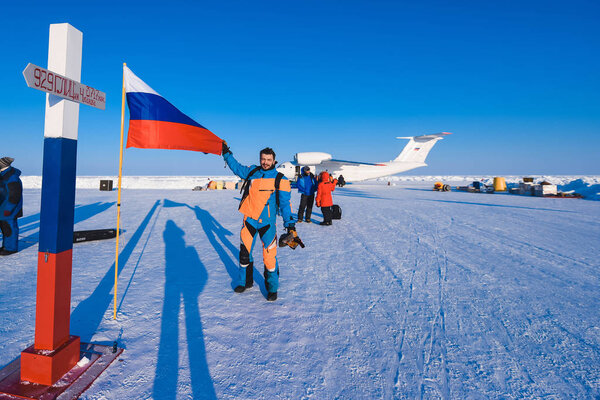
<point x="324" y="199"/>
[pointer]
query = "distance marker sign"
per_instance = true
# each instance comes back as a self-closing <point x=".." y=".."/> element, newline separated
<point x="50" y="82"/>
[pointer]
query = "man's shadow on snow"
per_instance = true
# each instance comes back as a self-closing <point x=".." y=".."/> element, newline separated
<point x="218" y="237"/>
<point x="185" y="278"/>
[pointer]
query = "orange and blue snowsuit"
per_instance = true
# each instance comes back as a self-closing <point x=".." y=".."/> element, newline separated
<point x="260" y="212"/>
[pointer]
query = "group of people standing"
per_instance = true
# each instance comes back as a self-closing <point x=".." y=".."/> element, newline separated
<point x="308" y="186"/>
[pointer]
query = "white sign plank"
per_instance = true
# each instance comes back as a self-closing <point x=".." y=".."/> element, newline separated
<point x="47" y="81"/>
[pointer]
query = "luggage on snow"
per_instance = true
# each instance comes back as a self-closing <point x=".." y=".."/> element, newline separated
<point x="336" y="212"/>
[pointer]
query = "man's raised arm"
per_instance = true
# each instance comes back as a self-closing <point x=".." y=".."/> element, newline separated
<point x="240" y="170"/>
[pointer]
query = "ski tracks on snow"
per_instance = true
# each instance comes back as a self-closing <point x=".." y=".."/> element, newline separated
<point x="428" y="351"/>
<point x="412" y="303"/>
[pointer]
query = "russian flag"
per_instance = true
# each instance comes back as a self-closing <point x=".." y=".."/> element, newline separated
<point x="154" y="123"/>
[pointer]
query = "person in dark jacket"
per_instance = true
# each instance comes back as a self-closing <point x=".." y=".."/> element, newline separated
<point x="11" y="205"/>
<point x="324" y="198"/>
<point x="260" y="203"/>
<point x="307" y="186"/>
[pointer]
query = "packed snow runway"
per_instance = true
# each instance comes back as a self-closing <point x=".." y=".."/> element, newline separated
<point x="413" y="294"/>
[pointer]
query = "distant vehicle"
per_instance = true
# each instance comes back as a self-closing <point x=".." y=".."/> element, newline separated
<point x="412" y="156"/>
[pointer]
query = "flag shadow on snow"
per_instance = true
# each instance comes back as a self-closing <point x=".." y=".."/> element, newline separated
<point x="87" y="316"/>
<point x="138" y="262"/>
<point x="185" y="278"/>
<point x="217" y="236"/>
<point x="31" y="222"/>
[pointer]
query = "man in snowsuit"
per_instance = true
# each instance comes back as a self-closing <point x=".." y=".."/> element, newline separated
<point x="11" y="206"/>
<point x="324" y="199"/>
<point x="307" y="186"/>
<point x="265" y="191"/>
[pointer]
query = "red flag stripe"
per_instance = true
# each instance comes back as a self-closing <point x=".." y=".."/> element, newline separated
<point x="146" y="134"/>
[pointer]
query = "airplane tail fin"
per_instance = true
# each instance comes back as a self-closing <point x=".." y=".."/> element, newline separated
<point x="418" y="147"/>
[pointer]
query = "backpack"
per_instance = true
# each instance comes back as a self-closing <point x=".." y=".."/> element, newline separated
<point x="245" y="189"/>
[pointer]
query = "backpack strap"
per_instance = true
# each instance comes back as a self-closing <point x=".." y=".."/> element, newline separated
<point x="245" y="189"/>
<point x="277" y="182"/>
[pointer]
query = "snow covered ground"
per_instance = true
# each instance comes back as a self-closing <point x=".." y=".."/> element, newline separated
<point x="414" y="294"/>
<point x="588" y="186"/>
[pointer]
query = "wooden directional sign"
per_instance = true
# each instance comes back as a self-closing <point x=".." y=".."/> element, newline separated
<point x="47" y="81"/>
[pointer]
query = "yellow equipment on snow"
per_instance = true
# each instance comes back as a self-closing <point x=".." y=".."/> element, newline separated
<point x="499" y="184"/>
<point x="440" y="187"/>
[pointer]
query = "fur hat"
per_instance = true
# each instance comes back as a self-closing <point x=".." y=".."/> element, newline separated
<point x="5" y="162"/>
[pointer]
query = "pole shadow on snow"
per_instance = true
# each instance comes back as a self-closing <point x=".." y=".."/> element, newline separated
<point x="497" y="205"/>
<point x="185" y="278"/>
<point x="81" y="213"/>
<point x="33" y="219"/>
<point x="87" y="316"/>
<point x="137" y="263"/>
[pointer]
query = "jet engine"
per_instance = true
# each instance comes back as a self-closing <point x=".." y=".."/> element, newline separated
<point x="311" y="158"/>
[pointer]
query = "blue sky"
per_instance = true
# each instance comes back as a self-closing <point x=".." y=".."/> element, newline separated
<point x="516" y="82"/>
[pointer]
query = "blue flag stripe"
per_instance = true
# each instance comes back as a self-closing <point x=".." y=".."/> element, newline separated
<point x="149" y="106"/>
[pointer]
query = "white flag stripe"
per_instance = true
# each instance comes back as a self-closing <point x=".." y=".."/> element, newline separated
<point x="135" y="84"/>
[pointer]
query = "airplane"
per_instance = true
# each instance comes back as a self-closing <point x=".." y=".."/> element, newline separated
<point x="412" y="156"/>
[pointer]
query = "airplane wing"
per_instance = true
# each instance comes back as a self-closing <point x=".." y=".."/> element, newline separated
<point x="340" y="163"/>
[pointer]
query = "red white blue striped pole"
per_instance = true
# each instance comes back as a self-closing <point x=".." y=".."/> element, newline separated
<point x="55" y="351"/>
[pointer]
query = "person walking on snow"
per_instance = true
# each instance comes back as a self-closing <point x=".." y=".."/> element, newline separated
<point x="324" y="198"/>
<point x="307" y="186"/>
<point x="11" y="206"/>
<point x="265" y="191"/>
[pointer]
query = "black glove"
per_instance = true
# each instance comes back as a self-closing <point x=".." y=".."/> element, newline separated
<point x="225" y="148"/>
<point x="291" y="228"/>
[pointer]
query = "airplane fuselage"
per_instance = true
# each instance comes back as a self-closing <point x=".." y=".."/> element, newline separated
<point x="355" y="173"/>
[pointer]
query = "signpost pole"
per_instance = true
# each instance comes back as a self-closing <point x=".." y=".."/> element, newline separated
<point x="55" y="351"/>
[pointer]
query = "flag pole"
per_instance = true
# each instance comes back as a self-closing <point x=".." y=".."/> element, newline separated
<point x="119" y="193"/>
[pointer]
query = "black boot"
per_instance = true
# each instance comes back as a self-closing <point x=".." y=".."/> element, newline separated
<point x="239" y="289"/>
<point x="271" y="296"/>
<point x="250" y="275"/>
